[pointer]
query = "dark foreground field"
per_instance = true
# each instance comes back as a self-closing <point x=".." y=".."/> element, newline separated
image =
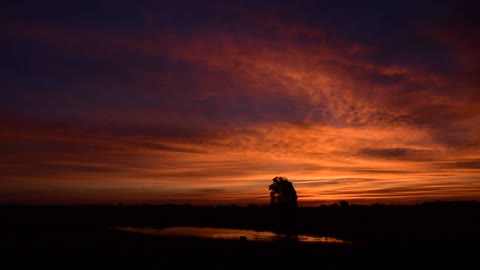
<point x="423" y="236"/>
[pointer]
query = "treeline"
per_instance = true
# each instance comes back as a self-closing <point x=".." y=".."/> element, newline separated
<point x="449" y="220"/>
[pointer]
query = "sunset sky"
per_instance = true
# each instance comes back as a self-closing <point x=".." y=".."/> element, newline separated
<point x="204" y="102"/>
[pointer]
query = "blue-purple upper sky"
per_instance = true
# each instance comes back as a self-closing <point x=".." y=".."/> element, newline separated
<point x="207" y="101"/>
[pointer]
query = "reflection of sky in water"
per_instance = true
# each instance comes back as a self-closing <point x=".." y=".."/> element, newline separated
<point x="223" y="233"/>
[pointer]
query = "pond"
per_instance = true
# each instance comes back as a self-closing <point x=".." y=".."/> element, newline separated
<point x="225" y="233"/>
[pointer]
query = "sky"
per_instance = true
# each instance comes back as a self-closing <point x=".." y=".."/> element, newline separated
<point x="204" y="102"/>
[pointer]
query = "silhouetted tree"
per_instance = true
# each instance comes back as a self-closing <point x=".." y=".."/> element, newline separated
<point x="283" y="200"/>
<point x="344" y="204"/>
<point x="282" y="193"/>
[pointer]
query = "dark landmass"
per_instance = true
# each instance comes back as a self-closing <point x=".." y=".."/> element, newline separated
<point x="426" y="235"/>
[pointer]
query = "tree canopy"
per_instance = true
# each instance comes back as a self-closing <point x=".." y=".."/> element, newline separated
<point x="282" y="193"/>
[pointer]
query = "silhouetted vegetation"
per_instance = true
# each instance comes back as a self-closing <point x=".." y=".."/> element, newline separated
<point x="399" y="233"/>
<point x="283" y="202"/>
<point x="282" y="193"/>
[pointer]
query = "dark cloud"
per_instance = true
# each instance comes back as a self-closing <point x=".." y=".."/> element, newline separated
<point x="464" y="164"/>
<point x="397" y="153"/>
<point x="336" y="181"/>
<point x="210" y="190"/>
<point x="167" y="148"/>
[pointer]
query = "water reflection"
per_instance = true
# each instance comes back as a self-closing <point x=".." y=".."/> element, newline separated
<point x="224" y="233"/>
